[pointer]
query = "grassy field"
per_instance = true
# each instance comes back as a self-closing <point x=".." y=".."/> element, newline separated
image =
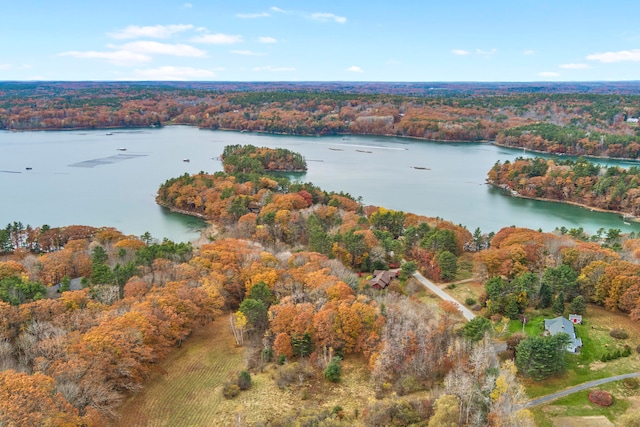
<point x="578" y="405"/>
<point x="190" y="392"/>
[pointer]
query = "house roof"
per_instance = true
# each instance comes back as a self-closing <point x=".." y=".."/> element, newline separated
<point x="382" y="278"/>
<point x="561" y="324"/>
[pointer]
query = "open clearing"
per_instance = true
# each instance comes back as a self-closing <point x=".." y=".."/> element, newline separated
<point x="597" y="421"/>
<point x="189" y="393"/>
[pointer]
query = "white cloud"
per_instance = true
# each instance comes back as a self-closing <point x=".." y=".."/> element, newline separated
<point x="156" y="31"/>
<point x="326" y="17"/>
<point x="270" y="68"/>
<point x="117" y="57"/>
<point x="173" y="73"/>
<point x="528" y="52"/>
<point x="486" y="52"/>
<point x="548" y="74"/>
<point x="252" y="15"/>
<point x="162" y="49"/>
<point x="218" y="38"/>
<point x="267" y="40"/>
<point x="355" y="69"/>
<point x="277" y="9"/>
<point x="5" y="66"/>
<point x="623" y="55"/>
<point x="460" y="52"/>
<point x="247" y="53"/>
<point x="574" y="66"/>
<point x="187" y="5"/>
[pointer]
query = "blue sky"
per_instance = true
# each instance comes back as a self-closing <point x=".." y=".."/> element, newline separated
<point x="347" y="40"/>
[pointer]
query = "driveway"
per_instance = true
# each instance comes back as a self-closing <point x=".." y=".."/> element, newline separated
<point x="587" y="385"/>
<point x="468" y="314"/>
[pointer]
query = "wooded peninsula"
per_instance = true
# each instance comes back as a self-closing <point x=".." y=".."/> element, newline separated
<point x="319" y="303"/>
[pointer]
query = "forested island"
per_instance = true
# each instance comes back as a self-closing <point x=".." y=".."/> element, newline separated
<point x="578" y="119"/>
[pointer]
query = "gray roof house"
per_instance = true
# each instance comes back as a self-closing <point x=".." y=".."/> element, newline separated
<point x="560" y="324"/>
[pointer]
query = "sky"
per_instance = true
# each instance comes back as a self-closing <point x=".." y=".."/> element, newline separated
<point x="330" y="40"/>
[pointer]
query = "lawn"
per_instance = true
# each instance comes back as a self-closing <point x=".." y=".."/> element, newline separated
<point x="578" y="405"/>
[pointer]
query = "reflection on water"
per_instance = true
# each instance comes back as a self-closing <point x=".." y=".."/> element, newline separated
<point x="449" y="181"/>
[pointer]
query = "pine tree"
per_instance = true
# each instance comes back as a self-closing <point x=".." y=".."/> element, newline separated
<point x="558" y="304"/>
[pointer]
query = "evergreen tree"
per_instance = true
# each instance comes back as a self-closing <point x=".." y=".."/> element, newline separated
<point x="578" y="305"/>
<point x="558" y="304"/>
<point x="545" y="295"/>
<point x="302" y="346"/>
<point x="448" y="264"/>
<point x="512" y="310"/>
<point x="261" y="292"/>
<point x="333" y="370"/>
<point x="541" y="357"/>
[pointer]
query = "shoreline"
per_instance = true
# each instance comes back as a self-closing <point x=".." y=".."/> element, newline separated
<point x="586" y="156"/>
<point x="625" y="216"/>
<point x="183" y="211"/>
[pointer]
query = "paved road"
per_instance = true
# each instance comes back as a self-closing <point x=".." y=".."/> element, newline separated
<point x="590" y="384"/>
<point x="445" y="296"/>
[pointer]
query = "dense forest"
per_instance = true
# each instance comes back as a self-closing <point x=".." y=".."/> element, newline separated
<point x="575" y="181"/>
<point x="550" y="118"/>
<point x="250" y="159"/>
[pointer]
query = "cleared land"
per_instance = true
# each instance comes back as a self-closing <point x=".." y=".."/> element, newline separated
<point x="190" y="392"/>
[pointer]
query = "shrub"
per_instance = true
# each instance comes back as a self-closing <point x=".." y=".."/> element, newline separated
<point x="619" y="334"/>
<point x="476" y="307"/>
<point x="407" y="385"/>
<point x="281" y="359"/>
<point x="470" y="301"/>
<point x="514" y="340"/>
<point x="333" y="370"/>
<point x="267" y="355"/>
<point x="338" y="411"/>
<point x="631" y="383"/>
<point x="600" y="398"/>
<point x="230" y="390"/>
<point x="507" y="355"/>
<point x="293" y="372"/>
<point x="244" y="380"/>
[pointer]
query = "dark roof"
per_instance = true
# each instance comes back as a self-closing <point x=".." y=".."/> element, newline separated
<point x="381" y="278"/>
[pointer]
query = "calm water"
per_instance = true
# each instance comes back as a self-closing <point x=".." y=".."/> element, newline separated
<point x="80" y="177"/>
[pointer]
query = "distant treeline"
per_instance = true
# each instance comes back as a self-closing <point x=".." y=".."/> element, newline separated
<point x="573" y="118"/>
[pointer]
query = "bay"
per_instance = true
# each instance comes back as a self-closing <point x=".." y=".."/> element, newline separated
<point x="83" y="177"/>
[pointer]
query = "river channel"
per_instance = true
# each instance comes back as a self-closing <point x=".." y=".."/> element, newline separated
<point x="109" y="178"/>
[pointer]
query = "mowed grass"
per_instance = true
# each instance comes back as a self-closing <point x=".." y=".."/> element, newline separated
<point x="578" y="405"/>
<point x="190" y="392"/>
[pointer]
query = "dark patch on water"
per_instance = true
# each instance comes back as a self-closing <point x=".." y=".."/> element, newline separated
<point x="105" y="160"/>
